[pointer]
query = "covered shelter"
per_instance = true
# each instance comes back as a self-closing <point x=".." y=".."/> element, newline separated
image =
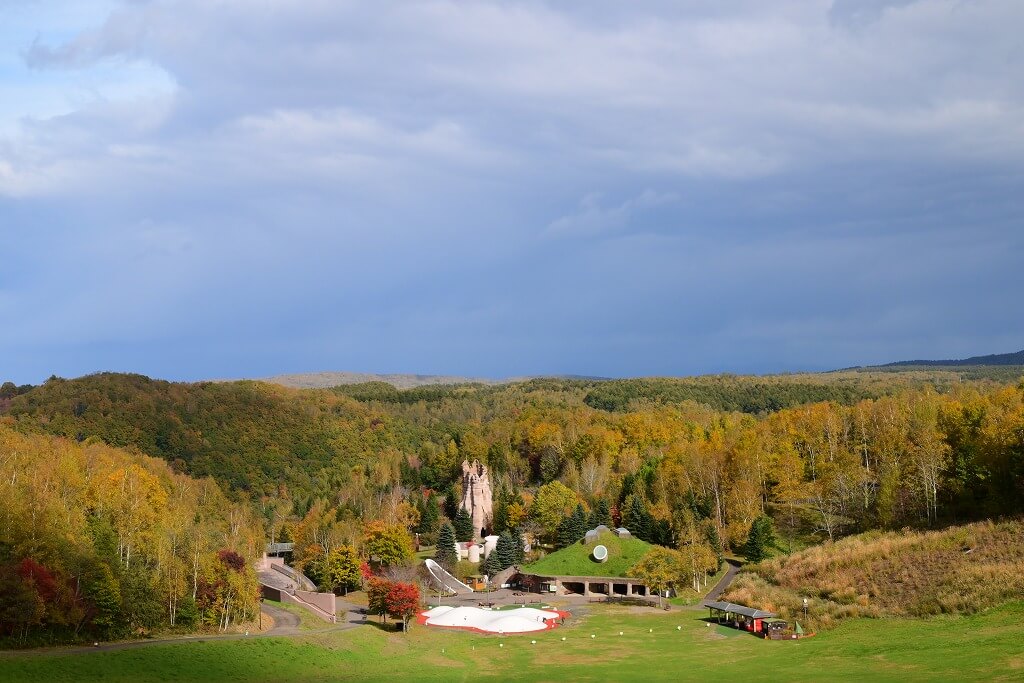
<point x="747" y="618"/>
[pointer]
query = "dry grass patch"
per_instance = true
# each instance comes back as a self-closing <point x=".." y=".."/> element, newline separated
<point x="960" y="570"/>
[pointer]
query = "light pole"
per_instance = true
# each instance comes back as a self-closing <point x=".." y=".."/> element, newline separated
<point x="805" y="609"/>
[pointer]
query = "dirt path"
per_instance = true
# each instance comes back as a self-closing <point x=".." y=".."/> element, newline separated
<point x="286" y="625"/>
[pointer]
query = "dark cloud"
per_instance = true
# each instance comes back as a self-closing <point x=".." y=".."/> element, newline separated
<point x="515" y="188"/>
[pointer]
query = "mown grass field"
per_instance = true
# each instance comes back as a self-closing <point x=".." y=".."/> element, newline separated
<point x="988" y="646"/>
<point x="575" y="560"/>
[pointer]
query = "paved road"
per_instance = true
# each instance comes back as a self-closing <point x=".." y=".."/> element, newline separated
<point x="285" y="623"/>
<point x="720" y="587"/>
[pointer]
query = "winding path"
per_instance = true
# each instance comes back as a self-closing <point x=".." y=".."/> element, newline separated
<point x="724" y="582"/>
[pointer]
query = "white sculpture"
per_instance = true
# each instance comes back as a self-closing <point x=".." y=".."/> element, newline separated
<point x="476" y="495"/>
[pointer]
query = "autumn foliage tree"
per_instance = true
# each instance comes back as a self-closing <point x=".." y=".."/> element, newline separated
<point x="554" y="501"/>
<point x="99" y="543"/>
<point x="377" y="589"/>
<point x="387" y="544"/>
<point x="402" y="601"/>
<point x="660" y="569"/>
<point x="340" y="570"/>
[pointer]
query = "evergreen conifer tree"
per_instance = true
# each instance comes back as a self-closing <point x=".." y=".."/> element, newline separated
<point x="519" y="554"/>
<point x="430" y="517"/>
<point x="492" y="565"/>
<point x="564" y="534"/>
<point x="601" y="514"/>
<point x="579" y="523"/>
<point x="451" y="500"/>
<point x="464" y="530"/>
<point x="636" y="518"/>
<point x="760" y="539"/>
<point x="573" y="528"/>
<point x="421" y="509"/>
<point x="506" y="549"/>
<point x="446" y="555"/>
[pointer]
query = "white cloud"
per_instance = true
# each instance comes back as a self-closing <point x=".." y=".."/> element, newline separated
<point x="733" y="92"/>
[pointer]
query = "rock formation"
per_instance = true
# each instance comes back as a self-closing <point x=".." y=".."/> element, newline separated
<point x="476" y="496"/>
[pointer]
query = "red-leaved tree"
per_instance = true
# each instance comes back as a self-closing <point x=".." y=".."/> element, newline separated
<point x="403" y="602"/>
<point x="377" y="590"/>
<point x="41" y="578"/>
<point x="231" y="559"/>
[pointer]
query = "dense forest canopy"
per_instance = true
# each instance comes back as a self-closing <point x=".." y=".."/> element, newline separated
<point x="859" y="462"/>
<point x="100" y="543"/>
<point x="248" y="435"/>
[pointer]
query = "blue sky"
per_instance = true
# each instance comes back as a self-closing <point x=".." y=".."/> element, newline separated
<point x="244" y="188"/>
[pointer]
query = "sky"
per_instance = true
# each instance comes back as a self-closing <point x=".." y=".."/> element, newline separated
<point x="194" y="189"/>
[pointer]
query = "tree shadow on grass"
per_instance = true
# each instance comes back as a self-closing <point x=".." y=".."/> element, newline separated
<point x="388" y="627"/>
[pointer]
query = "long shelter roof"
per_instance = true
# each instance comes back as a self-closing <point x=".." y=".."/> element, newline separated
<point x="740" y="609"/>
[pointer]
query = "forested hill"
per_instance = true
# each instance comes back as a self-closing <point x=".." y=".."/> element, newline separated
<point x="728" y="393"/>
<point x="267" y="439"/>
<point x="992" y="359"/>
<point x="249" y="435"/>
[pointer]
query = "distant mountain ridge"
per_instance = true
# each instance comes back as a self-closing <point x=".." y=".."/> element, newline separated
<point x="992" y="359"/>
<point x="324" y="380"/>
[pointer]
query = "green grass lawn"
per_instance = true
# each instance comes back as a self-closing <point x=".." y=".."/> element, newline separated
<point x="575" y="559"/>
<point x="989" y="646"/>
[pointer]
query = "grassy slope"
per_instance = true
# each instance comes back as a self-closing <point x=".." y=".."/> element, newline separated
<point x="894" y="573"/>
<point x="575" y="560"/>
<point x="980" y="647"/>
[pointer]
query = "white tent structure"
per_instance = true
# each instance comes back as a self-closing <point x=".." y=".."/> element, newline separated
<point x="521" y="620"/>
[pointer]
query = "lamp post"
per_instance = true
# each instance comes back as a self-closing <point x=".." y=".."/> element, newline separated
<point x="805" y="609"/>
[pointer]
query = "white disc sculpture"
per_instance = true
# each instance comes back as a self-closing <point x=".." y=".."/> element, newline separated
<point x="445" y="580"/>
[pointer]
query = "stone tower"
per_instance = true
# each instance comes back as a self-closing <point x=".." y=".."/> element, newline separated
<point x="476" y="495"/>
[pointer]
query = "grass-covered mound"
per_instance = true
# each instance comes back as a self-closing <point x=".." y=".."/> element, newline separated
<point x="576" y="559"/>
<point x="962" y="569"/>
